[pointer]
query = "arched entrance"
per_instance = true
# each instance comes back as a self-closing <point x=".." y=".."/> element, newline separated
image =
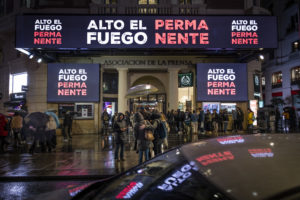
<point x="156" y="100"/>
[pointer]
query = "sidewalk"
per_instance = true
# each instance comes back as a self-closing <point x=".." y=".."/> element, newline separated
<point x="84" y="155"/>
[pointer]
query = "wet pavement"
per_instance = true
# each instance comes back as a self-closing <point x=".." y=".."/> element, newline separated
<point x="84" y="155"/>
<point x="83" y="159"/>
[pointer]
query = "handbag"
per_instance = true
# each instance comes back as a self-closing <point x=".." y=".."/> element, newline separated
<point x="149" y="135"/>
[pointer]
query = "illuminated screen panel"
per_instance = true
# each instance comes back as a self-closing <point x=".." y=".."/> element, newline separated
<point x="73" y="82"/>
<point x="222" y="82"/>
<point x="99" y="32"/>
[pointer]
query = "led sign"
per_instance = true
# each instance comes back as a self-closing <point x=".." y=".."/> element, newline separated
<point x="146" y="32"/>
<point x="222" y="82"/>
<point x="73" y="82"/>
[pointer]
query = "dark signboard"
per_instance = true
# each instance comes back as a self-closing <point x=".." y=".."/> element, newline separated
<point x="185" y="80"/>
<point x="222" y="82"/>
<point x="18" y="96"/>
<point x="256" y="83"/>
<point x="24" y="88"/>
<point x="73" y="82"/>
<point x="42" y="31"/>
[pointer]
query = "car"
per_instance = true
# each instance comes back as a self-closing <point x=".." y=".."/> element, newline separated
<point x="259" y="166"/>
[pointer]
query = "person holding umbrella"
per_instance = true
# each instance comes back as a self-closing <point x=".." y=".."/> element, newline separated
<point x="37" y="123"/>
<point x="51" y="129"/>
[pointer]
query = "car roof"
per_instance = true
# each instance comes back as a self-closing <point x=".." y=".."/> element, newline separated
<point x="249" y="166"/>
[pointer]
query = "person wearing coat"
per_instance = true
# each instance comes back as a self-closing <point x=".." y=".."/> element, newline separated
<point x="120" y="127"/>
<point x="51" y="133"/>
<point x="17" y="125"/>
<point x="143" y="144"/>
<point x="3" y="133"/>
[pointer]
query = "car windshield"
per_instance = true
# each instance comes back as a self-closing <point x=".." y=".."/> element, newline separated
<point x="169" y="176"/>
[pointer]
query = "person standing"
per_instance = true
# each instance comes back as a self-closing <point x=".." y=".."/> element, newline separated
<point x="51" y="127"/>
<point x="158" y="140"/>
<point x="105" y="122"/>
<point x="187" y="124"/>
<point x="67" y="125"/>
<point x="208" y="121"/>
<point x="240" y="119"/>
<point x="215" y="120"/>
<point x="225" y="120"/>
<point x="250" y="121"/>
<point x="3" y="133"/>
<point x="235" y="121"/>
<point x="142" y="143"/>
<point x="286" y="118"/>
<point x="201" y="121"/>
<point x="278" y="124"/>
<point x="120" y="127"/>
<point x="194" y="121"/>
<point x="17" y="125"/>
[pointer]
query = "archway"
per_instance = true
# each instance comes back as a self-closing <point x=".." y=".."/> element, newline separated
<point x="156" y="100"/>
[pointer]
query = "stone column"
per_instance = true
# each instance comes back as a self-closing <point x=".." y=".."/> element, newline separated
<point x="173" y="88"/>
<point x="122" y="90"/>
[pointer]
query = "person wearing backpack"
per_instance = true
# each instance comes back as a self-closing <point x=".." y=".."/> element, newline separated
<point x="143" y="145"/>
<point x="3" y="133"/>
<point x="158" y="130"/>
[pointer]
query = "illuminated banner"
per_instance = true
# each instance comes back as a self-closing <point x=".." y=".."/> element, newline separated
<point x="222" y="82"/>
<point x="73" y="82"/>
<point x="146" y="32"/>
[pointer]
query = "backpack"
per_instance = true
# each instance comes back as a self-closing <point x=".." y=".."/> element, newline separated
<point x="162" y="130"/>
<point x="105" y="117"/>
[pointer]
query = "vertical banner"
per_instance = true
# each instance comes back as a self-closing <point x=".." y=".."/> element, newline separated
<point x="222" y="82"/>
<point x="73" y="82"/>
<point x="256" y="85"/>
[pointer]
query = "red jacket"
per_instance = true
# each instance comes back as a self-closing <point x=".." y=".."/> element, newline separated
<point x="3" y="122"/>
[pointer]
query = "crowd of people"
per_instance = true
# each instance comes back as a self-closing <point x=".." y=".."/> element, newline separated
<point x="35" y="129"/>
<point x="151" y="128"/>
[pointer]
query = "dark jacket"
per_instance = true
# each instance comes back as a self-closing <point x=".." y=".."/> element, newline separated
<point x="68" y="120"/>
<point x="118" y="125"/>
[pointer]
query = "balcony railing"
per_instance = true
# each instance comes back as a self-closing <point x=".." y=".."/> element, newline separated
<point x="295" y="81"/>
<point x="276" y="85"/>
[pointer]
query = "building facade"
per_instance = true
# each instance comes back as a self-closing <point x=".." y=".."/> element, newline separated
<point x="281" y="66"/>
<point x="119" y="69"/>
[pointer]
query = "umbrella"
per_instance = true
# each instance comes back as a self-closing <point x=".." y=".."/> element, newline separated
<point x="23" y="113"/>
<point x="37" y="119"/>
<point x="52" y="114"/>
<point x="140" y="90"/>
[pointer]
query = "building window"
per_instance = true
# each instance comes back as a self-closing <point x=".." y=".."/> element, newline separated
<point x="16" y="81"/>
<point x="114" y="2"/>
<point x="144" y="6"/>
<point x="147" y="2"/>
<point x="293" y="25"/>
<point x="185" y="2"/>
<point x="295" y="46"/>
<point x="295" y="75"/>
<point x="277" y="80"/>
<point x="263" y="82"/>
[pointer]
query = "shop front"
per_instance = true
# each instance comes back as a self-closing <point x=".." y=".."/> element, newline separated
<point x="222" y="86"/>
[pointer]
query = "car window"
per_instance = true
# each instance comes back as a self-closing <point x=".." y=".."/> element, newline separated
<point x="168" y="176"/>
